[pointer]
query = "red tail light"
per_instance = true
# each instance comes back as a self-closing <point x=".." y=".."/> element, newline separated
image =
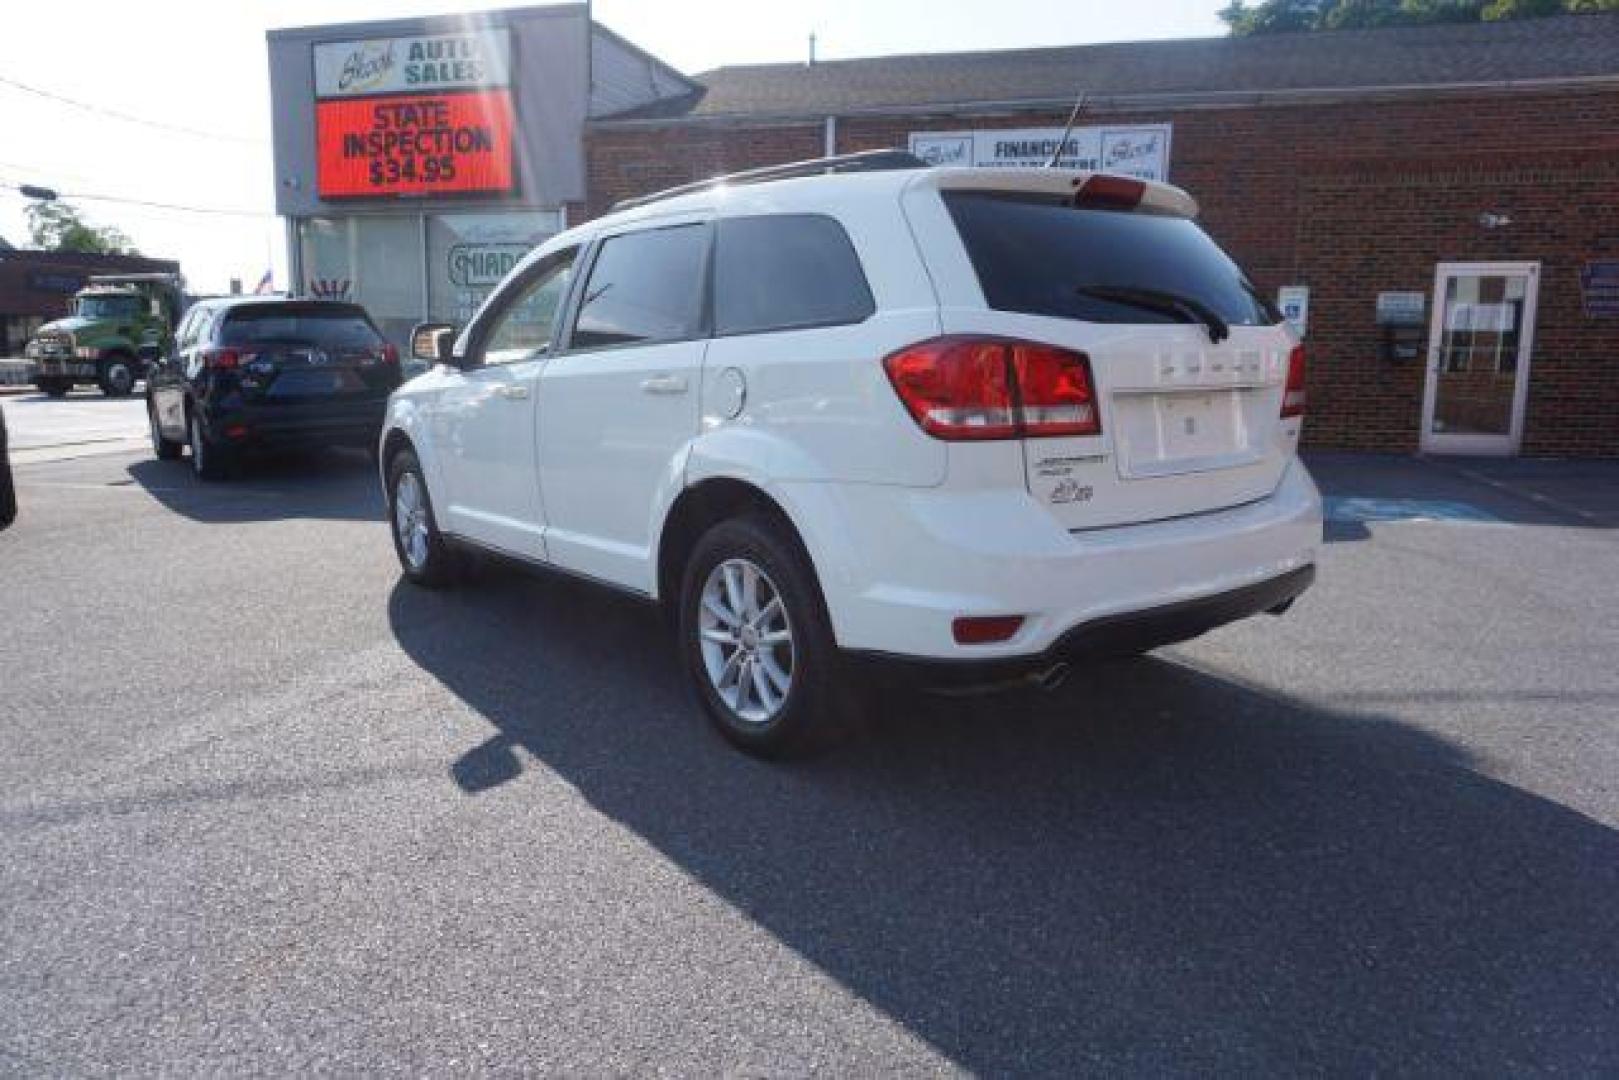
<point x="221" y="359"/>
<point x="1110" y="192"/>
<point x="390" y="355"/>
<point x="962" y="388"/>
<point x="1293" y="392"/>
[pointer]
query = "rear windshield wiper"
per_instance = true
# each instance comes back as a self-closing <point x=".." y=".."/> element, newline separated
<point x="1158" y="300"/>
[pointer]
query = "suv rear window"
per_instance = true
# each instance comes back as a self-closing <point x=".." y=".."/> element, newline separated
<point x="784" y="272"/>
<point x="1039" y="255"/>
<point x="332" y="325"/>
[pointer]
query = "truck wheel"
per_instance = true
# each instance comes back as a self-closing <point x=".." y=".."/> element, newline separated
<point x="208" y="459"/>
<point x="164" y="449"/>
<point x="56" y="388"/>
<point x="117" y="376"/>
<point x="757" y="643"/>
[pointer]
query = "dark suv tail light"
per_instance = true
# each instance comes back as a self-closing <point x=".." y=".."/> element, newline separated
<point x="963" y="388"/>
<point x="223" y="359"/>
<point x="1293" y="392"/>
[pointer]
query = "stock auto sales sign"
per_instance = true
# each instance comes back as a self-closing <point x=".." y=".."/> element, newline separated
<point x="414" y="116"/>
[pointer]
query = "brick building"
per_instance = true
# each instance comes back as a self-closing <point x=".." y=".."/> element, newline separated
<point x="1447" y="195"/>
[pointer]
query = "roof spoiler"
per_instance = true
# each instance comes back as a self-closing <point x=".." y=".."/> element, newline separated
<point x="865" y="161"/>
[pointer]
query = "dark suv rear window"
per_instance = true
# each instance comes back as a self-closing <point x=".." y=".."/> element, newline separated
<point x="331" y="325"/>
<point x="1039" y="255"/>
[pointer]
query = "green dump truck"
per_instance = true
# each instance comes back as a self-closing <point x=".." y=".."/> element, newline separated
<point x="113" y="316"/>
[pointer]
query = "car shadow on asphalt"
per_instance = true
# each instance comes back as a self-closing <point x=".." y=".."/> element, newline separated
<point x="326" y="484"/>
<point x="1155" y="868"/>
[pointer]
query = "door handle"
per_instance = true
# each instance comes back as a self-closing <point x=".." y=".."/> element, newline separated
<point x="664" y="384"/>
<point x="512" y="393"/>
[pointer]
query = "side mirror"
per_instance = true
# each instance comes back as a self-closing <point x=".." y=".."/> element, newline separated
<point x="148" y="353"/>
<point x="433" y="342"/>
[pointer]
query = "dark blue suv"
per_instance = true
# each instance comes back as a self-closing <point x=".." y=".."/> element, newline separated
<point x="256" y="374"/>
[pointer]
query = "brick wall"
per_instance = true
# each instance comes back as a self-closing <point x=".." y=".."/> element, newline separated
<point x="1351" y="199"/>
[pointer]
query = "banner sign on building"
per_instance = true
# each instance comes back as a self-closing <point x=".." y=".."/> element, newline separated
<point x="414" y="116"/>
<point x="1599" y="288"/>
<point x="1141" y="151"/>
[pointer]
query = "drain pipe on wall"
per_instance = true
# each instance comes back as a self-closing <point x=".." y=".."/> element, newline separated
<point x="830" y="148"/>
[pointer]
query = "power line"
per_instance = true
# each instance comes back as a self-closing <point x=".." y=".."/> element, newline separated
<point x="114" y="114"/>
<point x="65" y="196"/>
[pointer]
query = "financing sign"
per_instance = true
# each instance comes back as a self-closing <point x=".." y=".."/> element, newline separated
<point x="1140" y="150"/>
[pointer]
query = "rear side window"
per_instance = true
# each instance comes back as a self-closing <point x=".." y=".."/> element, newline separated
<point x="333" y="325"/>
<point x="786" y="271"/>
<point x="644" y="287"/>
<point x="1040" y="255"/>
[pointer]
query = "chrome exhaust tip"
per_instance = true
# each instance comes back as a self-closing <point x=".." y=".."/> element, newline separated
<point x="1053" y="676"/>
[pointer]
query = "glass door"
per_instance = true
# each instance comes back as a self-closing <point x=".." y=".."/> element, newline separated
<point x="1478" y="357"/>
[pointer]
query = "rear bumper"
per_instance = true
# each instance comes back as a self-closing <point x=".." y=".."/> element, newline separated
<point x="297" y="426"/>
<point x="897" y="567"/>
<point x="1124" y="634"/>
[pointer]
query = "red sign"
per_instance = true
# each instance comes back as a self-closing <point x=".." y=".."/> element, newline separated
<point x="415" y="144"/>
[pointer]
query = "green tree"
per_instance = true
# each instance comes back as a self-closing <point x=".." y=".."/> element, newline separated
<point x="56" y="226"/>
<point x="1293" y="16"/>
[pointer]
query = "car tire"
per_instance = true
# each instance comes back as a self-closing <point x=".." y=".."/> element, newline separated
<point x="757" y="644"/>
<point x="424" y="557"/>
<point x="117" y="379"/>
<point x="163" y="448"/>
<point x="209" y="460"/>
<point x="56" y="388"/>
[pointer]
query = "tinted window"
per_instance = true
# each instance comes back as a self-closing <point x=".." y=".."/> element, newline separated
<point x="334" y="325"/>
<point x="644" y="287"/>
<point x="522" y="330"/>
<point x="1039" y="255"/>
<point x="787" y="270"/>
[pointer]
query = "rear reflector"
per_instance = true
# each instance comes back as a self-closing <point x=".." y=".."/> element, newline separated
<point x="1105" y="192"/>
<point x="972" y="388"/>
<point x="985" y="629"/>
<point x="1293" y="392"/>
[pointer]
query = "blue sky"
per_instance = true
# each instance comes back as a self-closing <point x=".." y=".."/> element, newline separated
<point x="200" y="64"/>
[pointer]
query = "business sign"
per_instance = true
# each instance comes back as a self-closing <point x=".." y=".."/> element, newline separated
<point x="425" y="145"/>
<point x="1294" y="303"/>
<point x="1401" y="308"/>
<point x="1141" y="150"/>
<point x="1599" y="288"/>
<point x="483" y="265"/>
<point x="413" y="65"/>
<point x="414" y="116"/>
<point x="1474" y="317"/>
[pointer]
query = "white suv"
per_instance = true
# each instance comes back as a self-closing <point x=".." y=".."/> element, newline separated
<point x="977" y="422"/>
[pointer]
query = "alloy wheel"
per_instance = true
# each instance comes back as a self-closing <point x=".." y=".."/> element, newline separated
<point x="746" y="640"/>
<point x="410" y="519"/>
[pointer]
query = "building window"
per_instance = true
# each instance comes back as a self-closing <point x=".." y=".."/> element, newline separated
<point x="468" y="255"/>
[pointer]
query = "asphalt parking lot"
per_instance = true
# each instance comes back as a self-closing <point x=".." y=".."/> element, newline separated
<point x="265" y="809"/>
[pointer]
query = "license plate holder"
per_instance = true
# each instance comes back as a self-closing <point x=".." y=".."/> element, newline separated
<point x="1160" y="434"/>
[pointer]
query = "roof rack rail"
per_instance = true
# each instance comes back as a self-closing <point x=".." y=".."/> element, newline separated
<point x="864" y="161"/>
